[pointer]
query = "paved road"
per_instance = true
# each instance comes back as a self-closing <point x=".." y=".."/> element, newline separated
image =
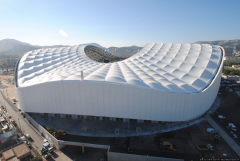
<point x="224" y="135"/>
<point x="26" y="128"/>
<point x="37" y="140"/>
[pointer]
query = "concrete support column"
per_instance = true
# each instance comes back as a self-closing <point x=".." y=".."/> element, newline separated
<point x="153" y="122"/>
<point x="74" y="116"/>
<point x="83" y="149"/>
<point x="140" y="121"/>
<point x="51" y="114"/>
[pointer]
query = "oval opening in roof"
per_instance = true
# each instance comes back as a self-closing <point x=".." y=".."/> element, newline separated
<point x="100" y="55"/>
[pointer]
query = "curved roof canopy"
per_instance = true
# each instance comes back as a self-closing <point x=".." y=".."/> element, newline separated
<point x="178" y="68"/>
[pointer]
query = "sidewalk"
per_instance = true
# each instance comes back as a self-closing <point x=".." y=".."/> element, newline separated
<point x="224" y="135"/>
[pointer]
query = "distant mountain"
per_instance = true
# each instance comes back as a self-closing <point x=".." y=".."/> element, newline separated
<point x="10" y="48"/>
<point x="8" y="44"/>
<point x="59" y="46"/>
<point x="131" y="48"/>
<point x="13" y="48"/>
<point x="95" y="44"/>
<point x="223" y="43"/>
<point x="53" y="46"/>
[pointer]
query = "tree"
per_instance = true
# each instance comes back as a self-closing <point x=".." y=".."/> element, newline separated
<point x="37" y="158"/>
<point x="229" y="63"/>
<point x="235" y="63"/>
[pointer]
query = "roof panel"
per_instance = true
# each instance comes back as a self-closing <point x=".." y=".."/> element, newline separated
<point x="178" y="68"/>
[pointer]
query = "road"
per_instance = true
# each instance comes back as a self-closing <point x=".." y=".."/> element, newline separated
<point x="37" y="140"/>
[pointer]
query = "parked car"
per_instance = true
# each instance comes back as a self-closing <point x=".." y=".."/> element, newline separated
<point x="48" y="147"/>
<point x="49" y="129"/>
<point x="14" y="100"/>
<point x="23" y="114"/>
<point x="23" y="138"/>
<point x="211" y="130"/>
<point x="221" y="117"/>
<point x="28" y="136"/>
<point x="28" y="144"/>
<point x="232" y="126"/>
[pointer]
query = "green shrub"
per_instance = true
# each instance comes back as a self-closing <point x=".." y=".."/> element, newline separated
<point x="37" y="158"/>
<point x="231" y="71"/>
<point x="229" y="63"/>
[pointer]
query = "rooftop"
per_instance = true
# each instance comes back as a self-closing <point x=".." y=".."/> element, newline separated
<point x="176" y="68"/>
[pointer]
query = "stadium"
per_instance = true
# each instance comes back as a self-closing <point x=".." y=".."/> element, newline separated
<point x="162" y="82"/>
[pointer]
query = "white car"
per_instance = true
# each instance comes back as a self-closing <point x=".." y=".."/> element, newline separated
<point x="28" y="136"/>
<point x="221" y="117"/>
<point x="232" y="126"/>
<point x="211" y="130"/>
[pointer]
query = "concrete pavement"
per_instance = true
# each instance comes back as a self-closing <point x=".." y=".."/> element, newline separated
<point x="26" y="128"/>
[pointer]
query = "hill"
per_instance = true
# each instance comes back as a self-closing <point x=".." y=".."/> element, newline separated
<point x="10" y="48"/>
<point x="223" y="43"/>
<point x="8" y="44"/>
<point x="131" y="48"/>
<point x="53" y="46"/>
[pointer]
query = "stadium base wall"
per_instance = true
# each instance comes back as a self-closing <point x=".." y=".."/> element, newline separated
<point x="115" y="100"/>
<point x="122" y="156"/>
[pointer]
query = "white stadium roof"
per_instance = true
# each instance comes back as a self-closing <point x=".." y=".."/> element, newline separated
<point x="176" y="68"/>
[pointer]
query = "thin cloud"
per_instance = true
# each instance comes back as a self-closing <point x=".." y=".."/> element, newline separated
<point x="63" y="33"/>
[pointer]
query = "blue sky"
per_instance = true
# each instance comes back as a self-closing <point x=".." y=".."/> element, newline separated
<point x="119" y="23"/>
